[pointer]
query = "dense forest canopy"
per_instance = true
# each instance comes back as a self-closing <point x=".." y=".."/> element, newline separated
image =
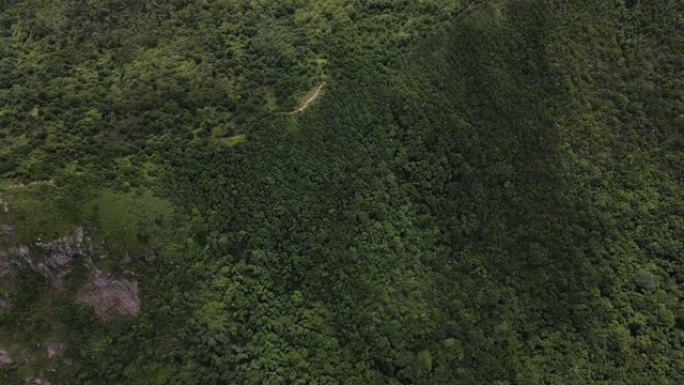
<point x="469" y="192"/>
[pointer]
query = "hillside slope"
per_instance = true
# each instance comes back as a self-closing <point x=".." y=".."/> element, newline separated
<point x="487" y="192"/>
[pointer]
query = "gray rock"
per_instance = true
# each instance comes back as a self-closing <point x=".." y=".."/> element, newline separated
<point x="111" y="297"/>
<point x="62" y="253"/>
<point x="58" y="260"/>
<point x="21" y="251"/>
<point x="108" y="296"/>
<point x="5" y="358"/>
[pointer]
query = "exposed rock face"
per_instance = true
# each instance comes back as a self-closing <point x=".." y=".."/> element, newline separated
<point x="17" y="251"/>
<point x="111" y="297"/>
<point x="61" y="252"/>
<point x="53" y="263"/>
<point x="5" y="358"/>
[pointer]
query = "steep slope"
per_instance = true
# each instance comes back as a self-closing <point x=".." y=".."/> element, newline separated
<point x="495" y="197"/>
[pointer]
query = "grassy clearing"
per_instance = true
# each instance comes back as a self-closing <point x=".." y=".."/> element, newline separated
<point x="233" y="140"/>
<point x="128" y="221"/>
<point x="37" y="212"/>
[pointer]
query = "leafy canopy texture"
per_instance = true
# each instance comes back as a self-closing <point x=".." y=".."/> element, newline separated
<point x="471" y="192"/>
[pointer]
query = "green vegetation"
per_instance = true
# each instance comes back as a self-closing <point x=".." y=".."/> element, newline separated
<point x="130" y="222"/>
<point x="37" y="211"/>
<point x="233" y="140"/>
<point x="488" y="192"/>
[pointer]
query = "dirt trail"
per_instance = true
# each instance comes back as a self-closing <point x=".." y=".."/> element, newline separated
<point x="309" y="100"/>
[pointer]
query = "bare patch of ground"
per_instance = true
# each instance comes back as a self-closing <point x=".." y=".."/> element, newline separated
<point x="53" y="349"/>
<point x="110" y="297"/>
<point x="5" y="358"/>
<point x="314" y="96"/>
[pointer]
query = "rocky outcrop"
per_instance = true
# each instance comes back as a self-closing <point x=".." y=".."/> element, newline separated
<point x="110" y="297"/>
<point x="61" y="255"/>
<point x="54" y="260"/>
<point x="57" y="264"/>
<point x="5" y="358"/>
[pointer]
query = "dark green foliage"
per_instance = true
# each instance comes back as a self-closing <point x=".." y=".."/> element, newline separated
<point x="487" y="193"/>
